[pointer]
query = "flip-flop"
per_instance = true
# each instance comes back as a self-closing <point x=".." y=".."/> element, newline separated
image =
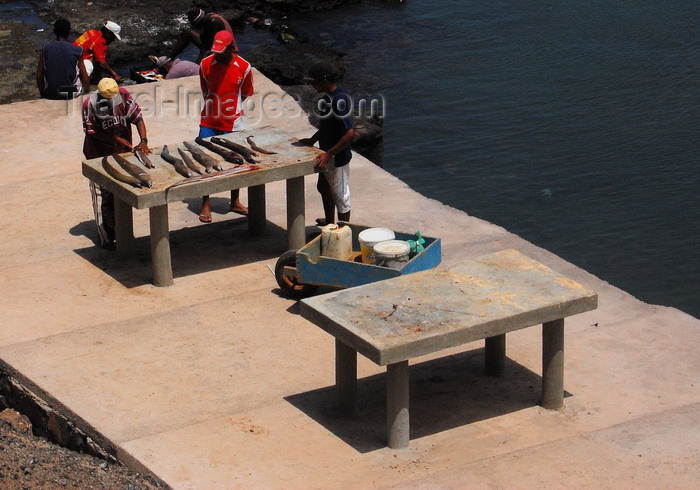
<point x="205" y="218"/>
<point x="244" y="212"/>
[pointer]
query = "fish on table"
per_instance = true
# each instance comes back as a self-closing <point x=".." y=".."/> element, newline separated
<point x="235" y="147"/>
<point x="119" y="176"/>
<point x="188" y="161"/>
<point x="145" y="161"/>
<point x="202" y="158"/>
<point x="228" y="155"/>
<point x="255" y="147"/>
<point x="179" y="165"/>
<point x="134" y="170"/>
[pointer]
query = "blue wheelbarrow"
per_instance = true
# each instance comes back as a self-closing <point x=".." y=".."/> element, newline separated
<point x="299" y="273"/>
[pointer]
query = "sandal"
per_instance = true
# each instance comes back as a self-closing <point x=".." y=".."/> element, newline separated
<point x="205" y="218"/>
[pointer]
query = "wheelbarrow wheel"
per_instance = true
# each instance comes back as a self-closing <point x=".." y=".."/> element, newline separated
<point x="290" y="284"/>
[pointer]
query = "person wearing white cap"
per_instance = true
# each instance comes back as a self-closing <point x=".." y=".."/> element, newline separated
<point x="108" y="116"/>
<point x="94" y="43"/>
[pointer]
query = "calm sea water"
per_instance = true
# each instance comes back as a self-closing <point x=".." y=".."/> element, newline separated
<point x="572" y="124"/>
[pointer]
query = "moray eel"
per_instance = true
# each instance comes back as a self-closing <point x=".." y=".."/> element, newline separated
<point x="218" y="175"/>
<point x="145" y="161"/>
<point x="229" y="156"/>
<point x="235" y="147"/>
<point x="188" y="161"/>
<point x="134" y="170"/>
<point x="117" y="175"/>
<point x="255" y="147"/>
<point x="204" y="159"/>
<point x="175" y="162"/>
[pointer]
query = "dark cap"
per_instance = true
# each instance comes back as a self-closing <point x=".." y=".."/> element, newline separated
<point x="321" y="71"/>
<point x="195" y="15"/>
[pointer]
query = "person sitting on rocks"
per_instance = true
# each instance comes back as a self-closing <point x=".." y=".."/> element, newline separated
<point x="61" y="73"/>
<point x="204" y="27"/>
<point x="94" y="43"/>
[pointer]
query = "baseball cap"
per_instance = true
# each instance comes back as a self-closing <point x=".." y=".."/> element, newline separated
<point x="161" y="61"/>
<point x="115" y="28"/>
<point x="221" y="41"/>
<point x="195" y="15"/>
<point x="109" y="89"/>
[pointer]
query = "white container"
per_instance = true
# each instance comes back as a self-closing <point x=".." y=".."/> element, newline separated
<point x="336" y="241"/>
<point x="392" y="253"/>
<point x="369" y="238"/>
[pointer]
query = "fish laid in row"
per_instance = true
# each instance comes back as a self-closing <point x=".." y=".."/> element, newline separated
<point x="235" y="147"/>
<point x="134" y="170"/>
<point x="218" y="175"/>
<point x="188" y="161"/>
<point x="228" y="155"/>
<point x="255" y="147"/>
<point x="117" y="175"/>
<point x="180" y="167"/>
<point x="141" y="157"/>
<point x="202" y="158"/>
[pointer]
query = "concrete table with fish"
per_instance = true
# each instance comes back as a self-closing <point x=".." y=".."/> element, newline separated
<point x="173" y="179"/>
<point x="398" y="319"/>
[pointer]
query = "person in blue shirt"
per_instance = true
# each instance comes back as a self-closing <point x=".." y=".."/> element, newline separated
<point x="61" y="73"/>
<point x="334" y="135"/>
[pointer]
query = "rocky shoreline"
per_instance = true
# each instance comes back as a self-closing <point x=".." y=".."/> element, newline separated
<point x="151" y="28"/>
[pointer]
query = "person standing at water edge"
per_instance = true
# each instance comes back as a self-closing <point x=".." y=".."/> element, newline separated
<point x="334" y="135"/>
<point x="226" y="80"/>
<point x="94" y="43"/>
<point x="108" y="114"/>
<point x="61" y="73"/>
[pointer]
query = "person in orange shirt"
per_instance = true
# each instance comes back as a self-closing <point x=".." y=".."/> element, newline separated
<point x="94" y="43"/>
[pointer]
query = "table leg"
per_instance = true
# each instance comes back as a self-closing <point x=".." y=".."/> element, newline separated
<point x="495" y="352"/>
<point x="123" y="227"/>
<point x="296" y="208"/>
<point x="398" y="423"/>
<point x="553" y="364"/>
<point x="345" y="378"/>
<point x="257" y="214"/>
<point x="160" y="246"/>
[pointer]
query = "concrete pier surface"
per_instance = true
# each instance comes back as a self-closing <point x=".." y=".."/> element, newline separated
<point x="217" y="381"/>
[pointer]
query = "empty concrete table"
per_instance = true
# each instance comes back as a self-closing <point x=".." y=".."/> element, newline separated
<point x="395" y="320"/>
<point x="289" y="163"/>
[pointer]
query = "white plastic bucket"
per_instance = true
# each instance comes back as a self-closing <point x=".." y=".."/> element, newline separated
<point x="369" y="238"/>
<point x="392" y="253"/>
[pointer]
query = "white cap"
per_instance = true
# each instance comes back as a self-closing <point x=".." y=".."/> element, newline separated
<point x="115" y="28"/>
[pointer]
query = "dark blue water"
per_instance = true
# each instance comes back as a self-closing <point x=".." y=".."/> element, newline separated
<point x="572" y="124"/>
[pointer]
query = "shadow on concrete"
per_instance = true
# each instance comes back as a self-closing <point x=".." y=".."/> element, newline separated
<point x="445" y="393"/>
<point x="194" y="250"/>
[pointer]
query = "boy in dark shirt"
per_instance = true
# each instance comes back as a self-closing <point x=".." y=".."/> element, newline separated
<point x="334" y="135"/>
